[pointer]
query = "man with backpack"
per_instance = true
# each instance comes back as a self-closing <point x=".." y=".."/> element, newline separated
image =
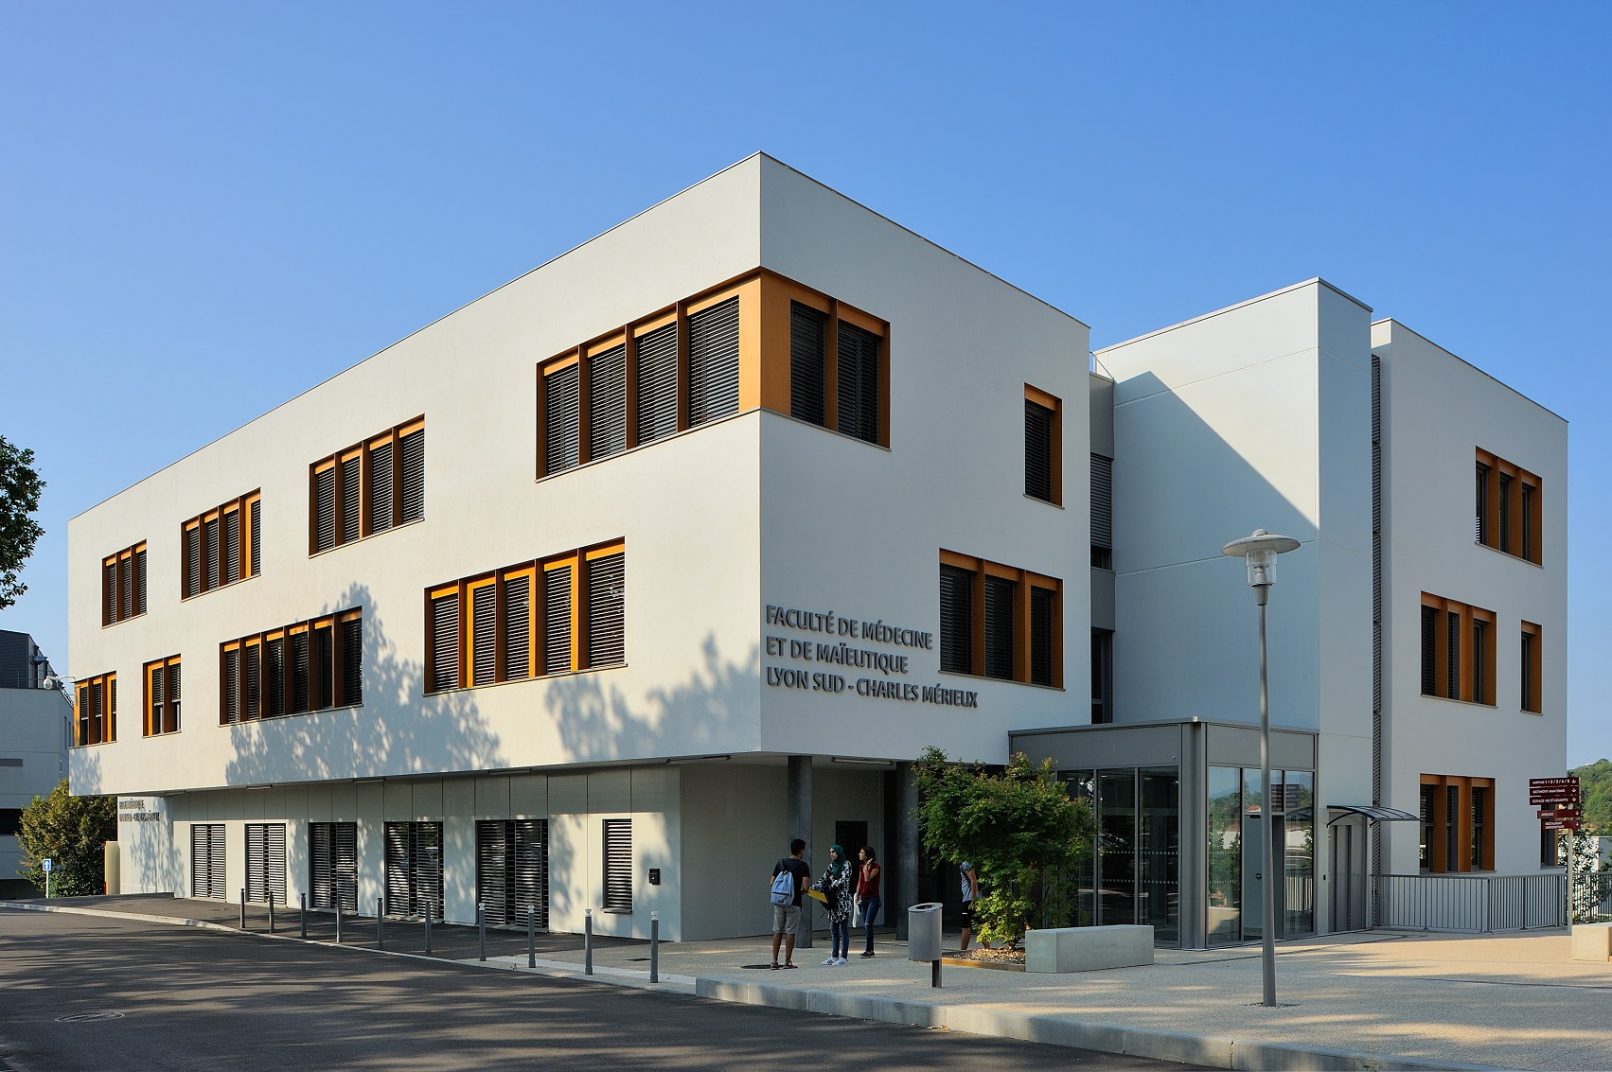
<point x="790" y="877"/>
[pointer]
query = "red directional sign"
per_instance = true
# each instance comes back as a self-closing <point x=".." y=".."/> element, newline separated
<point x="1560" y="824"/>
<point x="1553" y="790"/>
<point x="1559" y="813"/>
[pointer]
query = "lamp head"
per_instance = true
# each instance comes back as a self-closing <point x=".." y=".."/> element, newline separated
<point x="1259" y="552"/>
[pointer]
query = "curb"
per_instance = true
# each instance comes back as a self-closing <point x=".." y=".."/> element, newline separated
<point x="1056" y="1030"/>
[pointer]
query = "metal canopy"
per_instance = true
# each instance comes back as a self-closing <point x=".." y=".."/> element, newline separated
<point x="1374" y="812"/>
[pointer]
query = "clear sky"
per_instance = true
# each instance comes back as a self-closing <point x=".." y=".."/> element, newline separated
<point x="208" y="208"/>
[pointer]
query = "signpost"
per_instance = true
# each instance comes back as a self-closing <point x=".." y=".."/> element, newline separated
<point x="45" y="863"/>
<point x="1558" y="802"/>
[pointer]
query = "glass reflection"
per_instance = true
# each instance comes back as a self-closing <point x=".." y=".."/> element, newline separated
<point x="1116" y="846"/>
<point x="1160" y="854"/>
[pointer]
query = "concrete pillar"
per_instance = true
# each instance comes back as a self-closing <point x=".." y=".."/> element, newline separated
<point x="800" y="826"/>
<point x="904" y="890"/>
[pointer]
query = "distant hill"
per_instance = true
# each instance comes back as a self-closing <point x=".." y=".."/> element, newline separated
<point x="1595" y="782"/>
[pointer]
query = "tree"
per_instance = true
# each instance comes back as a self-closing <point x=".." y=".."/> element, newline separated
<point x="1018" y="827"/>
<point x="19" y="532"/>
<point x="72" y="832"/>
<point x="1595" y="784"/>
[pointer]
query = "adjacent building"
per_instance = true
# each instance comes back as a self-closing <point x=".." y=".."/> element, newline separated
<point x="590" y="595"/>
<point x="34" y="718"/>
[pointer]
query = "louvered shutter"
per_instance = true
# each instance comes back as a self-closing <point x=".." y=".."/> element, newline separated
<point x="232" y="546"/>
<point x="352" y="662"/>
<point x="607" y="403"/>
<point x="858" y="382"/>
<point x="257" y="538"/>
<point x="299" y="673"/>
<point x="210" y="552"/>
<point x="517" y="628"/>
<point x="257" y="862"/>
<point x="1038" y="452"/>
<point x="956" y="620"/>
<point x="1043" y="607"/>
<point x="425" y="868"/>
<point x="125" y="588"/>
<point x="713" y="362"/>
<point x="999" y="627"/>
<point x="217" y="862"/>
<point x="657" y="383"/>
<point x="807" y="338"/>
<point x="110" y="730"/>
<point x="274" y="677"/>
<point x="158" y="677"/>
<point x="192" y="561"/>
<point x="140" y="581"/>
<point x="445" y="642"/>
<point x="557" y="620"/>
<point x="324" y="498"/>
<point x="350" y="498"/>
<point x="276" y="856"/>
<point x="321" y="853"/>
<point x="200" y="879"/>
<point x="321" y="676"/>
<point x="413" y="493"/>
<point x="252" y="671"/>
<point x="232" y="686"/>
<point x="618" y="865"/>
<point x="344" y="865"/>
<point x="607" y="602"/>
<point x="532" y="870"/>
<point x="380" y="488"/>
<point x="109" y="594"/>
<point x="1481" y="505"/>
<point x="170" y="715"/>
<point x="483" y="652"/>
<point x="1102" y="501"/>
<point x="561" y="427"/>
<point x="397" y="870"/>
<point x="96" y="728"/>
<point x="1429" y="649"/>
<point x="493" y="859"/>
<point x="1453" y="641"/>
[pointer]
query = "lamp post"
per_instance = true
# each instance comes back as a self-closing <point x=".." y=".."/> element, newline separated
<point x="1259" y="551"/>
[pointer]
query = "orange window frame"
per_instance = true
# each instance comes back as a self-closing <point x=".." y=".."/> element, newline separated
<point x="151" y="722"/>
<point x="1465" y="615"/>
<point x="1051" y="402"/>
<point x="1024" y="580"/>
<point x="363" y="450"/>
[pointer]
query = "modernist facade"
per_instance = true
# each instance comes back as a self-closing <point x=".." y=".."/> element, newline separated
<point x="592" y="594"/>
<point x="33" y="745"/>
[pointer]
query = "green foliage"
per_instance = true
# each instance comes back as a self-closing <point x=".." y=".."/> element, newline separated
<point x="19" y="532"/>
<point x="1577" y="851"/>
<point x="71" y="831"/>
<point x="1595" y="784"/>
<point x="1019" y="828"/>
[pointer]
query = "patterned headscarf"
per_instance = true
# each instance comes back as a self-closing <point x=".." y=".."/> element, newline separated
<point x="840" y="866"/>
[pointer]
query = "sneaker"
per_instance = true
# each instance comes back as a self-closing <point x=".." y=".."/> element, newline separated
<point x="840" y="962"/>
<point x="829" y="961"/>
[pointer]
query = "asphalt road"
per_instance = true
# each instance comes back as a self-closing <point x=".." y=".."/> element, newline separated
<point x="84" y="993"/>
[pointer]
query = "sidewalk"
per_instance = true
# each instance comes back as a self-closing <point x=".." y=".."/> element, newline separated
<point x="1377" y="1000"/>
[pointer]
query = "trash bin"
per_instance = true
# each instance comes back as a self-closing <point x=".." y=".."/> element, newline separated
<point x="923" y="932"/>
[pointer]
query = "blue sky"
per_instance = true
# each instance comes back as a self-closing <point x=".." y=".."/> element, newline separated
<point x="206" y="209"/>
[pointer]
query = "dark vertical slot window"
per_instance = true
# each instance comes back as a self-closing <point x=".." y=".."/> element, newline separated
<point x="1102" y="676"/>
<point x="1453" y="643"/>
<point x="517" y="628"/>
<point x="557" y="620"/>
<point x="1429" y="651"/>
<point x="1043" y="608"/>
<point x="858" y="382"/>
<point x="210" y="550"/>
<point x="607" y="403"/>
<point x="1527" y="676"/>
<point x="1481" y="504"/>
<point x="618" y="865"/>
<point x="352" y="662"/>
<point x="274" y="677"/>
<point x="413" y="493"/>
<point x="324" y="653"/>
<point x="1425" y="842"/>
<point x="1480" y="821"/>
<point x="1505" y="512"/>
<point x="170" y="714"/>
<point x="1038" y="452"/>
<point x="257" y="537"/>
<point x="999" y="601"/>
<point x="350" y="497"/>
<point x="561" y="428"/>
<point x="193" y="561"/>
<point x="324" y="495"/>
<point x="808" y="337"/>
<point x="1452" y="818"/>
<point x="956" y="620"/>
<point x="254" y="681"/>
<point x="657" y="383"/>
<point x="380" y="483"/>
<point x="607" y="601"/>
<point x="299" y="673"/>
<point x="484" y="656"/>
<point x="713" y="362"/>
<point x="232" y="546"/>
<point x="125" y="589"/>
<point x="158" y="680"/>
<point x="109" y="594"/>
<point x="1102" y="512"/>
<point x="445" y="642"/>
<point x="1527" y="522"/>
<point x="139" y="582"/>
<point x="1479" y="654"/>
<point x="232" y="687"/>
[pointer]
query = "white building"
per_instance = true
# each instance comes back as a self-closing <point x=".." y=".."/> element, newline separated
<point x="660" y="589"/>
<point x="33" y="745"/>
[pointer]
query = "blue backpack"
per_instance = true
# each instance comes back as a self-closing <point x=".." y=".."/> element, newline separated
<point x="783" y="886"/>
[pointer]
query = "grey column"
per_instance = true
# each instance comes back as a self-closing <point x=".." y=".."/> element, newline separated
<point x="903" y="891"/>
<point x="800" y="826"/>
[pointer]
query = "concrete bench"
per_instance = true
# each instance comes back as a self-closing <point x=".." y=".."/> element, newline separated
<point x="1592" y="942"/>
<point x="1077" y="949"/>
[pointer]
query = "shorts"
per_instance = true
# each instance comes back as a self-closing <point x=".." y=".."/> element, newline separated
<point x="785" y="919"/>
<point x="968" y="914"/>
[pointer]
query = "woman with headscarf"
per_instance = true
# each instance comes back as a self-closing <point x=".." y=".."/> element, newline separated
<point x="836" y="887"/>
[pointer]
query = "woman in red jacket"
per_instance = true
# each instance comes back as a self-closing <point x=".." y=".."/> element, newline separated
<point x="868" y="879"/>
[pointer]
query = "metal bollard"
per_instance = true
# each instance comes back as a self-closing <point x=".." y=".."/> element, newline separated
<point x="428" y="930"/>
<point x="271" y="911"/>
<point x="531" y="936"/>
<point x="243" y="908"/>
<point x="338" y="920"/>
<point x="587" y="942"/>
<point x="304" y="913"/>
<point x="481" y="930"/>
<point x="380" y="924"/>
<point x="654" y="947"/>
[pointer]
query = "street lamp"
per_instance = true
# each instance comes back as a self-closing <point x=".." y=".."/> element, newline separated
<point x="1259" y="551"/>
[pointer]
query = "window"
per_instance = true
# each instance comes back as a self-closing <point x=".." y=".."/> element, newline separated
<point x="414" y="869"/>
<point x="1102" y="512"/>
<point x="306" y="666"/>
<point x="837" y="362"/>
<point x="367" y="488"/>
<point x="161" y="696"/>
<point x="207" y="856"/>
<point x="1457" y="823"/>
<point x="10" y="822"/>
<point x="858" y="382"/>
<point x="1531" y="668"/>
<point x="808" y="339"/>
<point x="999" y="621"/>
<point x="618" y="865"/>
<point x="333" y="866"/>
<point x="512" y="871"/>
<point x="265" y="862"/>
<point x="1102" y="676"/>
<point x="96" y="713"/>
<point x="123" y="584"/>
<point x="1455" y="635"/>
<point x="1506" y="505"/>
<point x="220" y="546"/>
<point x="554" y="615"/>
<point x="713" y="362"/>
<point x="1043" y="448"/>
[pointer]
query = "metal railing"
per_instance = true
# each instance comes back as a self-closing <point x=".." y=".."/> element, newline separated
<point x="1471" y="904"/>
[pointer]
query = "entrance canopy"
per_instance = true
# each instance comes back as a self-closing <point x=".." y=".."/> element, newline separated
<point x="1371" y="811"/>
